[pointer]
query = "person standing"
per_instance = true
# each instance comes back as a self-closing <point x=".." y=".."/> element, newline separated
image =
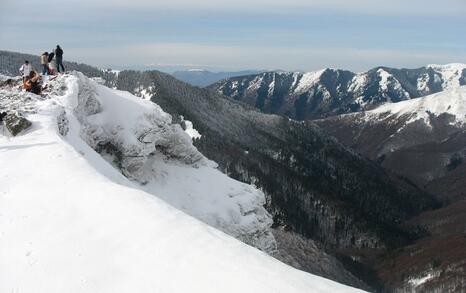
<point x="44" y="61"/>
<point x="25" y="69"/>
<point x="59" y="59"/>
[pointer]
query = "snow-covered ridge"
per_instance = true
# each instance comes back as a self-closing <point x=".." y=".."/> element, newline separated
<point x="451" y="73"/>
<point x="70" y="221"/>
<point x="451" y="102"/>
<point x="308" y="80"/>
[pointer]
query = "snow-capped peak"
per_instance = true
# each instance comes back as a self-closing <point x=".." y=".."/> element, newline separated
<point x="451" y="73"/>
<point x="308" y="80"/>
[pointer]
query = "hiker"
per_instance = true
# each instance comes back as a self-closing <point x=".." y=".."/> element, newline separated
<point x="59" y="59"/>
<point x="31" y="83"/>
<point x="44" y="61"/>
<point x="25" y="69"/>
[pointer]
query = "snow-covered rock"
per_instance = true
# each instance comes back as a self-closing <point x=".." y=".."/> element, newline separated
<point x="138" y="138"/>
<point x="70" y="221"/>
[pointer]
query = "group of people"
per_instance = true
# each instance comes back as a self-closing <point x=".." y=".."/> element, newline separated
<point x="46" y="60"/>
<point x="31" y="78"/>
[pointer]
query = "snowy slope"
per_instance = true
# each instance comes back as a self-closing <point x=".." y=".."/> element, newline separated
<point x="139" y="139"/>
<point x="71" y="222"/>
<point x="451" y="102"/>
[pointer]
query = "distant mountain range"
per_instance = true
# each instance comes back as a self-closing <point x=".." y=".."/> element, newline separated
<point x="331" y="92"/>
<point x="204" y="78"/>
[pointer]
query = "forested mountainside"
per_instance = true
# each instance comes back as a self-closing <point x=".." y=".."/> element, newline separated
<point x="331" y="92"/>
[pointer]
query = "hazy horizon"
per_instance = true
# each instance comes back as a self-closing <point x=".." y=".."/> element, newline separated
<point x="241" y="35"/>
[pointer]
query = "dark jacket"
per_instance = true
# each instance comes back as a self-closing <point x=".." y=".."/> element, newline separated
<point x="59" y="53"/>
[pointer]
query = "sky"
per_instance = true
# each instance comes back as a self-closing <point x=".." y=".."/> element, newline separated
<point x="229" y="35"/>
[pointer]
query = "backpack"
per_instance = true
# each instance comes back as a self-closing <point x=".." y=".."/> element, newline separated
<point x="51" y="55"/>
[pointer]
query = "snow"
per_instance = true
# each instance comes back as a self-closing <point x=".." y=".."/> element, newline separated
<point x="422" y="83"/>
<point x="308" y="80"/>
<point x="272" y="86"/>
<point x="452" y="101"/>
<point x="191" y="131"/>
<point x="384" y="79"/>
<point x="150" y="147"/>
<point x="387" y="80"/>
<point x="145" y="93"/>
<point x="256" y="83"/>
<point x="358" y="83"/>
<point x="416" y="282"/>
<point x="71" y="222"/>
<point x="451" y="73"/>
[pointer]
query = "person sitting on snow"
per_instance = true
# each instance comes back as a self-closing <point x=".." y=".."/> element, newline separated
<point x="32" y="83"/>
<point x="25" y="69"/>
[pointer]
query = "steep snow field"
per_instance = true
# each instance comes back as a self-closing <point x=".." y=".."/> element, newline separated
<point x="71" y="222"/>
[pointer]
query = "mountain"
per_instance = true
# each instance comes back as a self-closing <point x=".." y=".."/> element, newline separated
<point x="331" y="92"/>
<point x="204" y="78"/>
<point x="335" y="213"/>
<point x="424" y="141"/>
<point x="84" y="195"/>
<point x="315" y="187"/>
<point x="421" y="139"/>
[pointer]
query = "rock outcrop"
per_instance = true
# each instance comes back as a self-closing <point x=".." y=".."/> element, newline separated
<point x="15" y="123"/>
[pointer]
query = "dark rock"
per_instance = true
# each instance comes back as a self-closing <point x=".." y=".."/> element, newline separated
<point x="16" y="123"/>
<point x="63" y="124"/>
